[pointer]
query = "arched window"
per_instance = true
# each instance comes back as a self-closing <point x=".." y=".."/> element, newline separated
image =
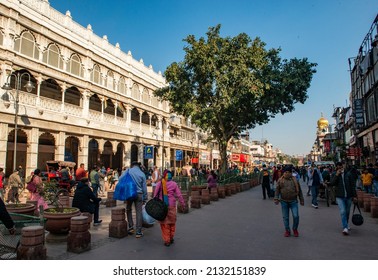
<point x="122" y="85"/>
<point x="96" y="75"/>
<point x="135" y="115"/>
<point x="75" y="67"/>
<point x="145" y="96"/>
<point x="52" y="57"/>
<point x="110" y="82"/>
<point x="154" y="102"/>
<point x="109" y="107"/>
<point x="95" y="103"/>
<point x="51" y="89"/>
<point x="25" y="44"/>
<point x="135" y="92"/>
<point x="72" y="96"/>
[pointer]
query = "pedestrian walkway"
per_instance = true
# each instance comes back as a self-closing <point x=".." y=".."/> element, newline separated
<point x="240" y="227"/>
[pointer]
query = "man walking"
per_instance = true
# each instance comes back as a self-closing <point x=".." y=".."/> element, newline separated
<point x="317" y="179"/>
<point x="345" y="192"/>
<point x="265" y="179"/>
<point x="287" y="192"/>
<point x="140" y="180"/>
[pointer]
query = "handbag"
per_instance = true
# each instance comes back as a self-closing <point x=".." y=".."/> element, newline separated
<point x="357" y="218"/>
<point x="147" y="218"/>
<point x="30" y="186"/>
<point x="156" y="208"/>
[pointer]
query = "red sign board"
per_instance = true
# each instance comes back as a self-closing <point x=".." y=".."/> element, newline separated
<point x="354" y="152"/>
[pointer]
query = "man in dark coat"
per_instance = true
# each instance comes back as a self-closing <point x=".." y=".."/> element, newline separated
<point x="345" y="192"/>
<point x="86" y="201"/>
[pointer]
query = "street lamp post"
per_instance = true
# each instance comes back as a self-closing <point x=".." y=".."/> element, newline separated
<point x="7" y="87"/>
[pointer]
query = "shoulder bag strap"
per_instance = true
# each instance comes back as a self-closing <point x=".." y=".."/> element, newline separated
<point x="356" y="206"/>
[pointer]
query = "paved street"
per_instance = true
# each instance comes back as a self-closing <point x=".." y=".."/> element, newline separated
<point x="240" y="227"/>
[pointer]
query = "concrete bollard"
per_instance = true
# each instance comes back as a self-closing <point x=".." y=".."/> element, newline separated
<point x="90" y="218"/>
<point x="32" y="244"/>
<point x="118" y="224"/>
<point x="79" y="238"/>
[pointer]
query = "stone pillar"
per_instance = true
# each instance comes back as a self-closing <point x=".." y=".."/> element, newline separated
<point x="118" y="224"/>
<point x="3" y="145"/>
<point x="127" y="153"/>
<point x="140" y="152"/>
<point x="83" y="151"/>
<point x="79" y="238"/>
<point x="32" y="244"/>
<point x="60" y="146"/>
<point x="32" y="151"/>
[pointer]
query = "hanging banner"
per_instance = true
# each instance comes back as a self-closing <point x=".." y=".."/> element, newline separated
<point x="149" y="152"/>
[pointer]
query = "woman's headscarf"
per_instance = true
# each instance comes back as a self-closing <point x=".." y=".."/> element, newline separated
<point x="167" y="176"/>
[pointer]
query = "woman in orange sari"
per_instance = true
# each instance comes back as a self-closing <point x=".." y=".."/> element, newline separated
<point x="169" y="192"/>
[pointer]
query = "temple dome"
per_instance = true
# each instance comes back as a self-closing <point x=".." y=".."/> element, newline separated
<point x="322" y="123"/>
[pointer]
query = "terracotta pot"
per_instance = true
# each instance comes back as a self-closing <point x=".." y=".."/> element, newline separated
<point x="59" y="222"/>
<point x="21" y="208"/>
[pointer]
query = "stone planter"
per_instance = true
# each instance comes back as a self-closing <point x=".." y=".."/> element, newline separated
<point x="214" y="194"/>
<point x="184" y="210"/>
<point x="205" y="196"/>
<point x="195" y="199"/>
<point x="374" y="207"/>
<point x="221" y="192"/>
<point x="360" y="198"/>
<point x="58" y="223"/>
<point x="367" y="197"/>
<point x="21" y="208"/>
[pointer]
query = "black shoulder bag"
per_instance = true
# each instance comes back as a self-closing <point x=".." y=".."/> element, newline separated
<point x="156" y="207"/>
<point x="357" y="218"/>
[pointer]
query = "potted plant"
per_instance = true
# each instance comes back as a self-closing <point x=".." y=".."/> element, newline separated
<point x="58" y="217"/>
<point x="20" y="208"/>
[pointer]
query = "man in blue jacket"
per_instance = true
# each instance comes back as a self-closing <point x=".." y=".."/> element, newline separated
<point x="140" y="180"/>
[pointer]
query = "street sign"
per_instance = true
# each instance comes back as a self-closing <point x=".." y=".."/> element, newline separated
<point x="179" y="155"/>
<point x="149" y="152"/>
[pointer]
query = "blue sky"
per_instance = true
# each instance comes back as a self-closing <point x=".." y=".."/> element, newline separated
<point x="327" y="32"/>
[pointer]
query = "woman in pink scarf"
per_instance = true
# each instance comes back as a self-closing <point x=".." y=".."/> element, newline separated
<point x="36" y="195"/>
<point x="169" y="191"/>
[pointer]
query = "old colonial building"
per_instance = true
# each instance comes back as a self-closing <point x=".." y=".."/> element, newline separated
<point x="92" y="103"/>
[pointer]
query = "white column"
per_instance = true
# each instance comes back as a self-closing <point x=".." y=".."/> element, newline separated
<point x="3" y="145"/>
<point x="32" y="151"/>
<point x="83" y="151"/>
<point x="60" y="146"/>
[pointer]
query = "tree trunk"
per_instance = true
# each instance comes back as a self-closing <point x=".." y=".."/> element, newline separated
<point x="223" y="154"/>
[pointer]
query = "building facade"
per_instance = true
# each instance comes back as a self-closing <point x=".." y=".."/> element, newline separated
<point x="91" y="103"/>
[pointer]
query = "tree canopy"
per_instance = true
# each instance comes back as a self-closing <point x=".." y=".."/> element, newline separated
<point x="228" y="85"/>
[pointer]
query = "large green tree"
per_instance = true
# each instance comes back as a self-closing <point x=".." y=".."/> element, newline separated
<point x="227" y="85"/>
